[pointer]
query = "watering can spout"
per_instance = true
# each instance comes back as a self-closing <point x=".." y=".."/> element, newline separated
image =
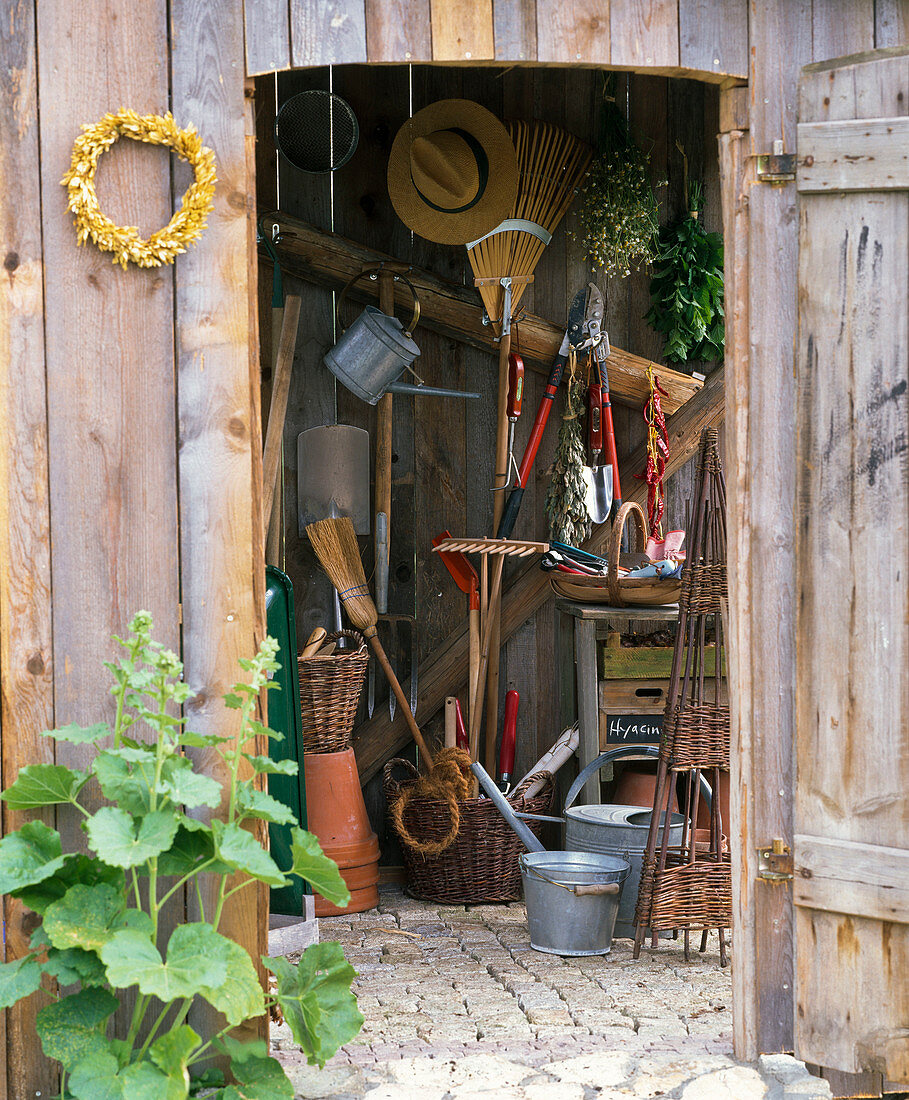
<point x="428" y="391"/>
<point x="501" y="803"/>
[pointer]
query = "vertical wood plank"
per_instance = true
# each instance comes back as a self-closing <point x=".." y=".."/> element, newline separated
<point x="515" y="29"/>
<point x="713" y="36"/>
<point x="267" y="36"/>
<point x="462" y="32"/>
<point x="569" y="32"/>
<point x="891" y="23"/>
<point x="26" y="641"/>
<point x="645" y="32"/>
<point x="219" y="440"/>
<point x="398" y="30"/>
<point x="841" y="27"/>
<point x="327" y="32"/>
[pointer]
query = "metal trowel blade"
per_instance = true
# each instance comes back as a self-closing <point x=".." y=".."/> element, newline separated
<point x="333" y="475"/>
<point x="598" y="497"/>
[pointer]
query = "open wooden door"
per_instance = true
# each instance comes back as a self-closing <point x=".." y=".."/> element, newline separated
<point x="851" y="843"/>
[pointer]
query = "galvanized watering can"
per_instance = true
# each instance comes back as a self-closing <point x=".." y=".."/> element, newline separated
<point x="376" y="349"/>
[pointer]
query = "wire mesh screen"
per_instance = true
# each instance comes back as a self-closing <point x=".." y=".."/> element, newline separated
<point x="316" y="131"/>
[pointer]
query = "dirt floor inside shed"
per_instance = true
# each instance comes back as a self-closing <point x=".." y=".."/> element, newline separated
<point x="458" y="1005"/>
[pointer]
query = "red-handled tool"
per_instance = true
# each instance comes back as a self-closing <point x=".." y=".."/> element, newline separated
<point x="466" y="578"/>
<point x="513" y="410"/>
<point x="574" y="335"/>
<point x="509" y="738"/>
<point x="461" y="740"/>
<point x="595" y="420"/>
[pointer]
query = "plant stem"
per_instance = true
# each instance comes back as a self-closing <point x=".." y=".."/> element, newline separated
<point x="182" y="882"/>
<point x="138" y="1016"/>
<point x="153" y="1030"/>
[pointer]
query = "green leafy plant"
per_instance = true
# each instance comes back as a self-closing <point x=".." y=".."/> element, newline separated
<point x="686" y="291"/>
<point x="99" y="930"/>
<point x="618" y="210"/>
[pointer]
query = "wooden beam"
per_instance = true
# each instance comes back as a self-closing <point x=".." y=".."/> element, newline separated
<point x="443" y="673"/>
<point x="454" y="310"/>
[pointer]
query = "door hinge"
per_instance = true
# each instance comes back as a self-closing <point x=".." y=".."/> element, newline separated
<point x="776" y="167"/>
<point x="775" y="862"/>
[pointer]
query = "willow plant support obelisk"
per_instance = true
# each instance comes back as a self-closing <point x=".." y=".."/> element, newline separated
<point x="551" y="165"/>
<point x="690" y="885"/>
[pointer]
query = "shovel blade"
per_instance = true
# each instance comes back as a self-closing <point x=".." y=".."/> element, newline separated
<point x="598" y="497"/>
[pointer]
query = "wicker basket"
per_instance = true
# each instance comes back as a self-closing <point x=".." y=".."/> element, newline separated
<point x="482" y="864"/>
<point x="692" y="895"/>
<point x="330" y="692"/>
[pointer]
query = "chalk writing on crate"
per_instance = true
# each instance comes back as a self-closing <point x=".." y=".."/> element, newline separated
<point x="634" y="729"/>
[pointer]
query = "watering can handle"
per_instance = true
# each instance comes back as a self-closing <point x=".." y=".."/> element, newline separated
<point x="594" y="766"/>
<point x="597" y="889"/>
<point x="374" y="272"/>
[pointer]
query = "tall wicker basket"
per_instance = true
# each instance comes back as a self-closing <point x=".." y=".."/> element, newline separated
<point x="482" y="863"/>
<point x="330" y="693"/>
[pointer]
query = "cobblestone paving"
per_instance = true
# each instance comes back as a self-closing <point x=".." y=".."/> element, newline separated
<point x="459" y="1006"/>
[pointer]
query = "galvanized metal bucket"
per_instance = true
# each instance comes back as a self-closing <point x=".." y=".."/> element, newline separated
<point x="572" y="900"/>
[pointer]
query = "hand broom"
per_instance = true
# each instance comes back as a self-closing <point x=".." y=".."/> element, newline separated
<point x="335" y="544"/>
<point x="551" y="165"/>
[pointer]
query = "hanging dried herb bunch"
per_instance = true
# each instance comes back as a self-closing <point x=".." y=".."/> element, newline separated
<point x="686" y="291"/>
<point x="618" y="212"/>
<point x="566" y="500"/>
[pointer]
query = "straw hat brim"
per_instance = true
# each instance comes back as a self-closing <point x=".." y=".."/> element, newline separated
<point x="497" y="201"/>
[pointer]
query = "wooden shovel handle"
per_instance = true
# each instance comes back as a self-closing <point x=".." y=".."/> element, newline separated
<point x="376" y="647"/>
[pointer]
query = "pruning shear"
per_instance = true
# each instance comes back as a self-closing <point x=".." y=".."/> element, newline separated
<point x="598" y="343"/>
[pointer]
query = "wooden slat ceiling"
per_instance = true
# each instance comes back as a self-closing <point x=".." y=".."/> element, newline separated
<point x="708" y="38"/>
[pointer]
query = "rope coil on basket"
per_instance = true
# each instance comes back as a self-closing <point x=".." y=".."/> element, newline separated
<point x="449" y="781"/>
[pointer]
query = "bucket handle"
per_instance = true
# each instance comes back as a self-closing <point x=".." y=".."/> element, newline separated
<point x="596" y="889"/>
<point x="617" y="754"/>
<point x="373" y="273"/>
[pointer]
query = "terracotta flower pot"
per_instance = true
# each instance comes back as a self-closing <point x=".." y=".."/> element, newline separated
<point x="336" y="813"/>
<point x="637" y="786"/>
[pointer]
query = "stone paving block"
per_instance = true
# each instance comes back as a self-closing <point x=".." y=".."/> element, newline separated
<point x="740" y="1082"/>
<point x="312" y="1083"/>
<point x="808" y="1088"/>
<point x="783" y="1067"/>
<point x="397" y="1091"/>
<point x="598" y="1070"/>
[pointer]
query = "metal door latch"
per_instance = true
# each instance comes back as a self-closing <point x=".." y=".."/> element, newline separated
<point x="776" y="167"/>
<point x="775" y="862"/>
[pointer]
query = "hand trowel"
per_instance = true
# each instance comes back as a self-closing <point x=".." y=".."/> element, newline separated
<point x="333" y="480"/>
<point x="597" y="479"/>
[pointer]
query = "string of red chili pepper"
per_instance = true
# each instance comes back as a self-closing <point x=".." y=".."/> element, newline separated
<point x="657" y="454"/>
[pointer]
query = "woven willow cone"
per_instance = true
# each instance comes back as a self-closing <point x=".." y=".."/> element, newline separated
<point x="335" y="544"/>
<point x="551" y="165"/>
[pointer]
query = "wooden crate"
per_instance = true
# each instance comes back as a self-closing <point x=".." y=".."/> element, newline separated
<point x="642" y="662"/>
<point x="631" y="710"/>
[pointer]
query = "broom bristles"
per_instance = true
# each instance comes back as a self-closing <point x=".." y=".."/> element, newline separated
<point x="335" y="544"/>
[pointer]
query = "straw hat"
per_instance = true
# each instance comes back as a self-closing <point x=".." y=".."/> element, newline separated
<point x="453" y="172"/>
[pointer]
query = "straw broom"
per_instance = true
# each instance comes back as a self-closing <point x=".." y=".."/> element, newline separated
<point x="335" y="544"/>
<point x="551" y="165"/>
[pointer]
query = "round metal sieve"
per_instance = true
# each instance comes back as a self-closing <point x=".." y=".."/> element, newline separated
<point x="316" y="131"/>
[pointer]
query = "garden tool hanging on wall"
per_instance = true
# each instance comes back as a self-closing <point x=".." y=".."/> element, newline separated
<point x="369" y="358"/>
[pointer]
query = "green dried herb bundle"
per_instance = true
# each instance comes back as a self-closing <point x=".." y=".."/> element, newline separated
<point x="566" y="500"/>
<point x="618" y="212"/>
<point x="686" y="291"/>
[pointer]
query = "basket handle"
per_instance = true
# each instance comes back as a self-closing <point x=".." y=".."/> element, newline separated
<point x="629" y="508"/>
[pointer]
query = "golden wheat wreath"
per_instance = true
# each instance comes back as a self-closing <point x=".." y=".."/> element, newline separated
<point x="124" y="241"/>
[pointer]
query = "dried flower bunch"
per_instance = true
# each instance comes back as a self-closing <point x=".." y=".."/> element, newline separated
<point x="185" y="227"/>
<point x="618" y="212"/>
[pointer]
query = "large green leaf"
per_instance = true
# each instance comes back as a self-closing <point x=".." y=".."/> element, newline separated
<point x="88" y="870"/>
<point x="86" y="917"/>
<point x="264" y="765"/>
<point x="188" y="788"/>
<point x="28" y="856"/>
<point x="311" y="863"/>
<point x="241" y="851"/>
<point x="98" y="1077"/>
<point x="79" y="735"/>
<point x="258" y="1079"/>
<point x="316" y="1000"/>
<point x="193" y="845"/>
<point x="196" y="957"/>
<point x="123" y="841"/>
<point x="128" y="786"/>
<point x="253" y="803"/>
<point x="70" y="1029"/>
<point x="18" y="979"/>
<point x="239" y="997"/>
<point x="74" y="965"/>
<point x="44" y="785"/>
<point x="172" y="1051"/>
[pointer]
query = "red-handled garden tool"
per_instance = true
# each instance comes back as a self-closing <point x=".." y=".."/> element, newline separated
<point x="509" y="738"/>
<point x="461" y="740"/>
<point x="466" y="578"/>
<point x="574" y="337"/>
<point x="600" y="353"/>
<point x="513" y="409"/>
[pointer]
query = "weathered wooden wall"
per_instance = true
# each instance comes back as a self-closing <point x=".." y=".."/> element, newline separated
<point x="707" y="37"/>
<point x="443" y="449"/>
<point x="131" y="439"/>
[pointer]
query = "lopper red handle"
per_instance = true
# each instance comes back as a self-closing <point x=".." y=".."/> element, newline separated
<point x="612" y="457"/>
<point x="509" y="736"/>
<point x="515" y="386"/>
<point x="595" y="417"/>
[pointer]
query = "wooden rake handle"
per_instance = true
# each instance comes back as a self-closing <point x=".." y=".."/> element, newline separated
<point x="376" y="647"/>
